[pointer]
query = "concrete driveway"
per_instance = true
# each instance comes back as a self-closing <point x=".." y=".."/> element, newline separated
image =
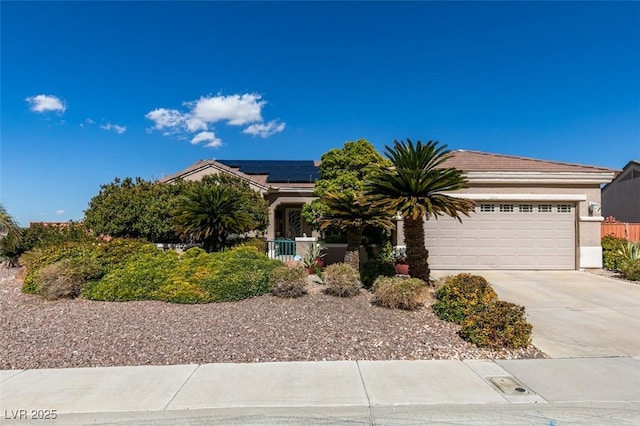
<point x="574" y="314"/>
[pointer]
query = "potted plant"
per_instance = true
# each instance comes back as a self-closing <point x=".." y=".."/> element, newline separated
<point x="313" y="257"/>
<point x="400" y="260"/>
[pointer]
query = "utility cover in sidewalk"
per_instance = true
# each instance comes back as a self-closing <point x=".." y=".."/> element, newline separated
<point x="508" y="385"/>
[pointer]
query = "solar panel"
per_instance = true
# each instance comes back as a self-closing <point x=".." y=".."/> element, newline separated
<point x="277" y="170"/>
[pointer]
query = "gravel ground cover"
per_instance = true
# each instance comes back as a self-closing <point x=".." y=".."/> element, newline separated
<point x="610" y="274"/>
<point x="37" y="333"/>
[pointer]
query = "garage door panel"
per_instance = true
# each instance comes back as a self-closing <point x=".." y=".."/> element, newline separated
<point x="505" y="240"/>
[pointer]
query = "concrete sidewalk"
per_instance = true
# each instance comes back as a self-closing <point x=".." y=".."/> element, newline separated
<point x="535" y="391"/>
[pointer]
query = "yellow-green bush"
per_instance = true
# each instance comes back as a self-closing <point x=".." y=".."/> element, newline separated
<point x="611" y="256"/>
<point x="194" y="277"/>
<point x="109" y="254"/>
<point x="462" y="295"/>
<point x="342" y="280"/>
<point x="137" y="279"/>
<point x="286" y="281"/>
<point x="498" y="325"/>
<point x="180" y="291"/>
<point x="399" y="292"/>
<point x="118" y="251"/>
<point x="631" y="271"/>
<point x="39" y="258"/>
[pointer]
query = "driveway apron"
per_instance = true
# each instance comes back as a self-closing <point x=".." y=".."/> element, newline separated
<point x="574" y="313"/>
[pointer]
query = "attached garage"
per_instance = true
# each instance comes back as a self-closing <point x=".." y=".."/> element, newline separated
<point x="529" y="214"/>
<point x="505" y="235"/>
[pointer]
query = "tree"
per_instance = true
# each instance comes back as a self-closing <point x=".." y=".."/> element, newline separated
<point x="41" y="235"/>
<point x="413" y="186"/>
<point x="10" y="235"/>
<point x="252" y="201"/>
<point x="352" y="212"/>
<point x="342" y="170"/>
<point x="215" y="208"/>
<point x="134" y="209"/>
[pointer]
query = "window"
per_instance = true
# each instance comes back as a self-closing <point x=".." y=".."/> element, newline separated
<point x="564" y="208"/>
<point x="525" y="208"/>
<point x="506" y="208"/>
<point x="486" y="207"/>
<point x="544" y="208"/>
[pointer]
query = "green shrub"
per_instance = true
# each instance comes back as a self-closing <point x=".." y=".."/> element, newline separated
<point x="180" y="291"/>
<point x="138" y="279"/>
<point x="65" y="278"/>
<point x="194" y="277"/>
<point x="375" y="268"/>
<point x="42" y="235"/>
<point x="41" y="257"/>
<point x="611" y="246"/>
<point x="255" y="242"/>
<point x="286" y="281"/>
<point x="342" y="280"/>
<point x="631" y="271"/>
<point x="498" y="325"/>
<point x="109" y="254"/>
<point x="117" y="252"/>
<point x="238" y="274"/>
<point x="462" y="295"/>
<point x="398" y="292"/>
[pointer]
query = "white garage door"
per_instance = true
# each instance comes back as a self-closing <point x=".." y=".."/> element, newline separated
<point x="505" y="235"/>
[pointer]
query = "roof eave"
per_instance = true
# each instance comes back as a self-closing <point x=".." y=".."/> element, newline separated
<point x="584" y="178"/>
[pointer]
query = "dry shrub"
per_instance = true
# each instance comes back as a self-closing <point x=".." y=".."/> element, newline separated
<point x="498" y="325"/>
<point x="288" y="281"/>
<point x="342" y="280"/>
<point x="65" y="278"/>
<point x="399" y="292"/>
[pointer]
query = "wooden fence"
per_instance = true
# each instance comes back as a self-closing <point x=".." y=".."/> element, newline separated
<point x="630" y="231"/>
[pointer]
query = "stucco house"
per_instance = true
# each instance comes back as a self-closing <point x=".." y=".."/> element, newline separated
<point x="529" y="214"/>
<point x="621" y="197"/>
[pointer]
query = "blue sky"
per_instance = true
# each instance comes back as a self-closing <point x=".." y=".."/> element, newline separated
<point x="92" y="91"/>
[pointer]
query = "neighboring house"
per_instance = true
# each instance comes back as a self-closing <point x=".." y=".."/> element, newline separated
<point x="529" y="214"/>
<point x="621" y="197"/>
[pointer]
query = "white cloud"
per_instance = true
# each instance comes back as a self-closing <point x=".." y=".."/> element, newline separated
<point x="44" y="103"/>
<point x="210" y="137"/>
<point x="235" y="109"/>
<point x="59" y="212"/>
<point x="165" y="118"/>
<point x="264" y="130"/>
<point x="194" y="124"/>
<point x="87" y="122"/>
<point x="116" y="128"/>
<point x="202" y="114"/>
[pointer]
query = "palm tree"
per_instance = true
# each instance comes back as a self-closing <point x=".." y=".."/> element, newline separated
<point x="10" y="235"/>
<point x="352" y="212"/>
<point x="209" y="213"/>
<point x="413" y="186"/>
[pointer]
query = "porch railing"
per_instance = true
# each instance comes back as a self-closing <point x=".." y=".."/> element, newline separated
<point x="281" y="249"/>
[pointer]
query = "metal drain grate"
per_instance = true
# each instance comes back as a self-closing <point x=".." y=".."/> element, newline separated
<point x="509" y="385"/>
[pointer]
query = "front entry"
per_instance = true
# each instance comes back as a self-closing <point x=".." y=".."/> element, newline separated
<point x="292" y="222"/>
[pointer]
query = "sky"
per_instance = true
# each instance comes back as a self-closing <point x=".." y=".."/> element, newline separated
<point x="91" y="91"/>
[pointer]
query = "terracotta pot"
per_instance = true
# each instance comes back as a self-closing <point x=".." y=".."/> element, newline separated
<point x="310" y="270"/>
<point x="402" y="269"/>
<point x="319" y="263"/>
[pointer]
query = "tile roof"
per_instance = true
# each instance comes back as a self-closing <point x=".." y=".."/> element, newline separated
<point x="476" y="161"/>
<point x="469" y="161"/>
